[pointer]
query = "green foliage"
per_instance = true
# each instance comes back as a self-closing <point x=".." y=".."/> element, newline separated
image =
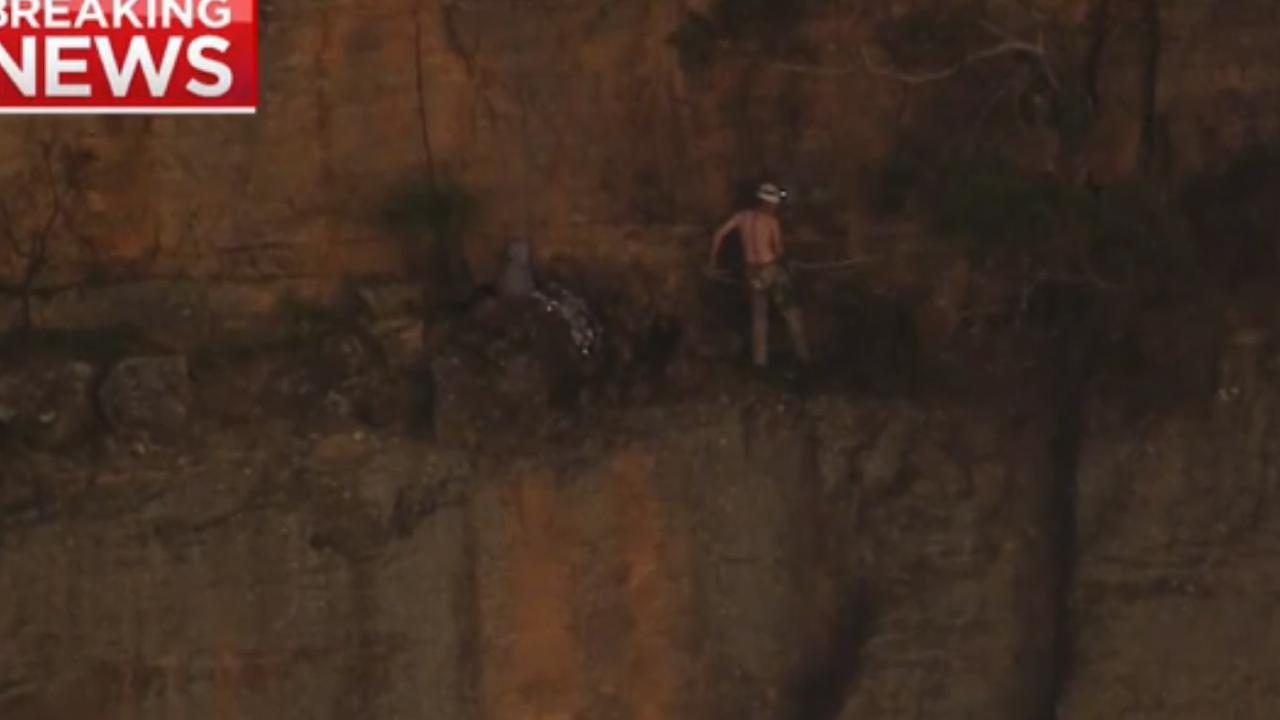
<point x="1134" y="229"/>
<point x="1234" y="211"/>
<point x="738" y="17"/>
<point x="695" y="42"/>
<point x="1124" y="230"/>
<point x="306" y="319"/>
<point x="994" y="207"/>
<point x="442" y="211"/>
<point x="765" y="23"/>
<point x="893" y="183"/>
<point x="930" y="39"/>
<point x="101" y="346"/>
<point x="1073" y="116"/>
<point x="432" y="220"/>
<point x="1237" y="203"/>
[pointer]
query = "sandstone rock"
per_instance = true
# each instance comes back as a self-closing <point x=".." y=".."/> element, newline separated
<point x="402" y="341"/>
<point x="340" y="448"/>
<point x="332" y="380"/>
<point x="10" y="314"/>
<point x="505" y="372"/>
<point x="402" y="401"/>
<point x="47" y="405"/>
<point x="183" y="312"/>
<point x="474" y="402"/>
<point x="147" y="395"/>
<point x="342" y="357"/>
<point x="391" y="300"/>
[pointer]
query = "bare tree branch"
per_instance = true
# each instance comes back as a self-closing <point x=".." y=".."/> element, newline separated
<point x="30" y="239"/>
<point x="55" y="198"/>
<point x="1010" y="45"/>
<point x="818" y="70"/>
<point x="1017" y="83"/>
<point x="944" y="73"/>
<point x="1036" y="50"/>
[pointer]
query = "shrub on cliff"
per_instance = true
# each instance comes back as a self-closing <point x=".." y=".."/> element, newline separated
<point x="759" y="24"/>
<point x="996" y="207"/>
<point x="1135" y="231"/>
<point x="1233" y="210"/>
<point x="433" y="219"/>
<point x="1123" y="234"/>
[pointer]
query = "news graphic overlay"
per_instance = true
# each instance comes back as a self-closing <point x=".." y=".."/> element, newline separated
<point x="128" y="56"/>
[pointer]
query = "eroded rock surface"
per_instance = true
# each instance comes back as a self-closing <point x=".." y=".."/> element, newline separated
<point x="1177" y="573"/>
<point x="47" y="404"/>
<point x="725" y="551"/>
<point x="679" y="102"/>
<point x="510" y="369"/>
<point x="147" y="395"/>
<point x="710" y="559"/>
<point x="734" y="552"/>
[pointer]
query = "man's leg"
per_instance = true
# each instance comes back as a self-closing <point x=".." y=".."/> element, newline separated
<point x="759" y="328"/>
<point x="795" y="322"/>
<point x="784" y="297"/>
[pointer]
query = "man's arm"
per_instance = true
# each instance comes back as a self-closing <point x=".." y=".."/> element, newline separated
<point x="730" y="225"/>
<point x="778" y="251"/>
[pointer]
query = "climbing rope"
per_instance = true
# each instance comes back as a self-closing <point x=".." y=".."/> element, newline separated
<point x="726" y="276"/>
<point x="829" y="265"/>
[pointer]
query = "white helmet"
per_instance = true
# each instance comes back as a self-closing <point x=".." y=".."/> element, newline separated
<point x="771" y="193"/>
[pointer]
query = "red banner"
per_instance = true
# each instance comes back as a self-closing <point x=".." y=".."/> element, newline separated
<point x="128" y="56"/>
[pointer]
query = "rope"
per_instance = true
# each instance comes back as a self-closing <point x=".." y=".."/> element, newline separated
<point x="828" y="266"/>
<point x="835" y="264"/>
<point x="722" y="276"/>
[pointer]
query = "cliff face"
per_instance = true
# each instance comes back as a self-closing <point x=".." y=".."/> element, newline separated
<point x="725" y="550"/>
<point x="756" y="557"/>
<point x="1176" y="545"/>
<point x="613" y="134"/>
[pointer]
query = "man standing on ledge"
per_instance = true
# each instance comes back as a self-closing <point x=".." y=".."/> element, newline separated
<point x="762" y="246"/>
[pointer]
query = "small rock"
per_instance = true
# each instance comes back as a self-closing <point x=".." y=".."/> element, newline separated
<point x="338" y="449"/>
<point x="147" y="395"/>
<point x="391" y="300"/>
<point x="401" y="401"/>
<point x="342" y="357"/>
<point x="476" y="400"/>
<point x="403" y="342"/>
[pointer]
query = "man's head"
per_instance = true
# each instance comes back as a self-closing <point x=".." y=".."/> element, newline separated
<point x="770" y="196"/>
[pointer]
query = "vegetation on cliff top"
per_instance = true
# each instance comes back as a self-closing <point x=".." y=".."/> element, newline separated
<point x="432" y="218"/>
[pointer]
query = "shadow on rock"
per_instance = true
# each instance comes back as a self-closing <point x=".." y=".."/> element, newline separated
<point x="824" y="683"/>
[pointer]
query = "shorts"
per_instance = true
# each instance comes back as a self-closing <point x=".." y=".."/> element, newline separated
<point x="774" y="282"/>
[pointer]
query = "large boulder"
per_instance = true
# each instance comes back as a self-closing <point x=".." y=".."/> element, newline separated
<point x="475" y="403"/>
<point x="47" y="404"/>
<point x="508" y="371"/>
<point x="147" y="395"/>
